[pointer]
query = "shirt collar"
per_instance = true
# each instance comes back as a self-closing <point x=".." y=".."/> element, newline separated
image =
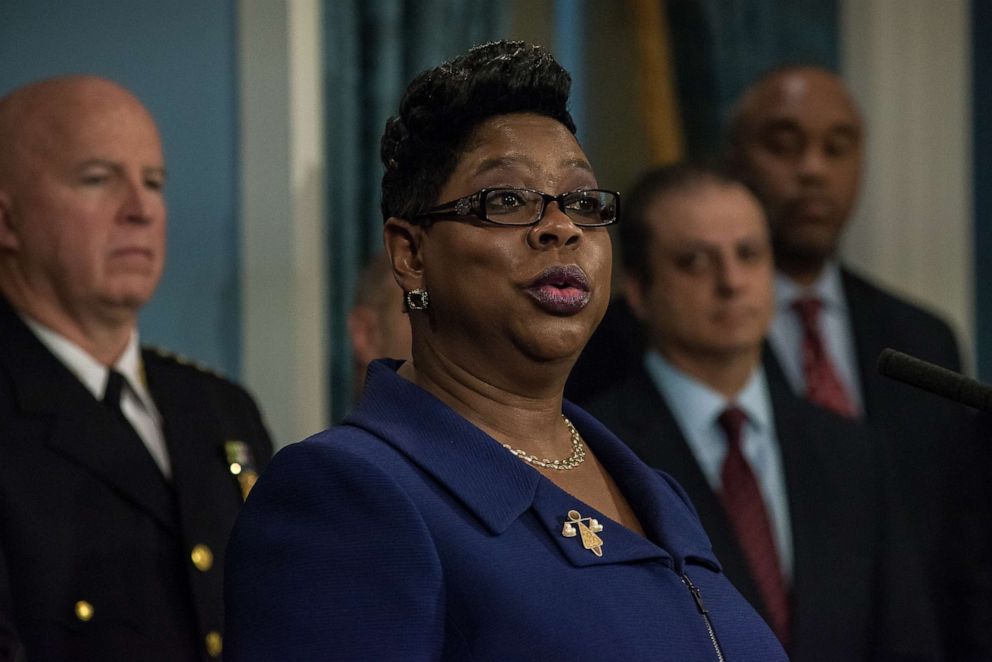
<point x="91" y="372"/>
<point x="828" y="288"/>
<point x="695" y="405"/>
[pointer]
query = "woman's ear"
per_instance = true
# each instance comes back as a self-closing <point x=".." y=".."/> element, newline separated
<point x="404" y="245"/>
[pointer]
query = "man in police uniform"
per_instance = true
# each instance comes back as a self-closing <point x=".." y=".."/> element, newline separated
<point x="121" y="469"/>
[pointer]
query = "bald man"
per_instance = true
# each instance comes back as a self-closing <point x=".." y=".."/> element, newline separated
<point x="121" y="468"/>
<point x="797" y="139"/>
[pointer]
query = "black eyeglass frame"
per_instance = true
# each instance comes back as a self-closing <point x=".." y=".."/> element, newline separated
<point x="475" y="205"/>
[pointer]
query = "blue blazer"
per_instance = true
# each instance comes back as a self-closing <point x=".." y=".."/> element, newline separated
<point x="407" y="533"/>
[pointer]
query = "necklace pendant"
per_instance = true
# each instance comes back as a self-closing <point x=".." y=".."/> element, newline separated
<point x="588" y="527"/>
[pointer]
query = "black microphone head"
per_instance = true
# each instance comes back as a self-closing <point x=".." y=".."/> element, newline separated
<point x="934" y="379"/>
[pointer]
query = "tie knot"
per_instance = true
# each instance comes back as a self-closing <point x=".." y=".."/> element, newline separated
<point x="732" y="421"/>
<point x="115" y="386"/>
<point x="809" y="311"/>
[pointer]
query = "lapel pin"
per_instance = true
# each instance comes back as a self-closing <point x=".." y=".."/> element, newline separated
<point x="587" y="530"/>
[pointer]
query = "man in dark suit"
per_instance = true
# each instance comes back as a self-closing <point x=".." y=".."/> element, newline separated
<point x="796" y="139"/>
<point x="796" y="500"/>
<point x="121" y="469"/>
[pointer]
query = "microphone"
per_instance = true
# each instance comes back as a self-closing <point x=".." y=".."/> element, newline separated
<point x="934" y="379"/>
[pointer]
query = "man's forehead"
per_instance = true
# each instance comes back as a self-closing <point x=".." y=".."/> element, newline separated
<point x="802" y="96"/>
<point x="107" y="132"/>
<point x="67" y="106"/>
<point x="708" y="211"/>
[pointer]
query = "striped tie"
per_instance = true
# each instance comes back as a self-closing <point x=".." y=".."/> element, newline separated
<point x="745" y="508"/>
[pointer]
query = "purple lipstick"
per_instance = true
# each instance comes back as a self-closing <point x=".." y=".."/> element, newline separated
<point x="560" y="290"/>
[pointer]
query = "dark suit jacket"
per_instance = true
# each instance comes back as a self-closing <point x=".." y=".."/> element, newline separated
<point x="933" y="441"/>
<point x="857" y="587"/>
<point x="85" y="514"/>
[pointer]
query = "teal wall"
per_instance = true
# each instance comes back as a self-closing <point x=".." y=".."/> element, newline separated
<point x="179" y="57"/>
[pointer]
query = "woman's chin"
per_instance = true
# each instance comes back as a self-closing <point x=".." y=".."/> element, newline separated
<point x="557" y="347"/>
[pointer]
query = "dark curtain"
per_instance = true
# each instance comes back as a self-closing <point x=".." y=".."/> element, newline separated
<point x="373" y="48"/>
<point x="722" y="45"/>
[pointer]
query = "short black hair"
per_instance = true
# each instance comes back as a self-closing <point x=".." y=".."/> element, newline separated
<point x="441" y="107"/>
<point x="634" y="231"/>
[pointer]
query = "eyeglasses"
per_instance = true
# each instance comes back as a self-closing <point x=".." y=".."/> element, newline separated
<point x="588" y="208"/>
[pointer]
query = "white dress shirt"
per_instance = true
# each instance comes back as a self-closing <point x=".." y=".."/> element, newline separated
<point x="786" y="334"/>
<point x="136" y="401"/>
<point x="697" y="408"/>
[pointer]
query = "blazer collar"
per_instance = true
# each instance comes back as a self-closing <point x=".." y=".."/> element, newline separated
<point x="490" y="482"/>
<point x="498" y="488"/>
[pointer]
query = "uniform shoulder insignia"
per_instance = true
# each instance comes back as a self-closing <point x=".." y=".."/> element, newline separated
<point x="175" y="357"/>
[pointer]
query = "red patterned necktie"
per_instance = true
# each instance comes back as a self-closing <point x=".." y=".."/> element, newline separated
<point x="745" y="508"/>
<point x="823" y="385"/>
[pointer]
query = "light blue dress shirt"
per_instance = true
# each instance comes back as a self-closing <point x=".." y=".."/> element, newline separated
<point x="786" y="334"/>
<point x="697" y="407"/>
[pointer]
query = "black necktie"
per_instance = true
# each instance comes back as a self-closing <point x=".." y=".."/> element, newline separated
<point x="112" y="397"/>
<point x="115" y="386"/>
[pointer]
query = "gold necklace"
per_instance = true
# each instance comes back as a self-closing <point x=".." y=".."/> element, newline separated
<point x="570" y="462"/>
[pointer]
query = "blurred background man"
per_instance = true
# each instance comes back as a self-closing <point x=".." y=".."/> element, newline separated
<point x="797" y="139"/>
<point x="795" y="499"/>
<point x="121" y="468"/>
<point x="377" y="323"/>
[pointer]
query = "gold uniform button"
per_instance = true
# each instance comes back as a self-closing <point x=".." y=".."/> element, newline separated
<point x="84" y="610"/>
<point x="202" y="558"/>
<point x="215" y="644"/>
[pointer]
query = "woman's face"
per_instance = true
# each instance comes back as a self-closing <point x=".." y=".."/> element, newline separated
<point x="495" y="290"/>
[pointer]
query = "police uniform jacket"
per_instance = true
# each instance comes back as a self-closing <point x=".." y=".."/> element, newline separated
<point x="102" y="558"/>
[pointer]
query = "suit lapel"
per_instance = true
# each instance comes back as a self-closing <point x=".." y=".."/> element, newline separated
<point x="867" y="333"/>
<point x="828" y="476"/>
<point x="80" y="428"/>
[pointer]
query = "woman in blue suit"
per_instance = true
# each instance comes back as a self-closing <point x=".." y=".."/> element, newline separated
<point x="464" y="510"/>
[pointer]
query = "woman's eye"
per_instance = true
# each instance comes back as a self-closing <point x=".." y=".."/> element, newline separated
<point x="585" y="205"/>
<point x="505" y="200"/>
